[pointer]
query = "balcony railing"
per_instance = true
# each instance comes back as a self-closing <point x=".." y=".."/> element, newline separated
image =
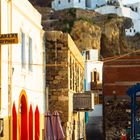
<point x="96" y="86"/>
<point x="83" y="101"/>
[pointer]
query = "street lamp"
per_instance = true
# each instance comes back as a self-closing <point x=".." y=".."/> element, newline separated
<point x="114" y="94"/>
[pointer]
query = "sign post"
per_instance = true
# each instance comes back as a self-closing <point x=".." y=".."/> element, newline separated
<point x="8" y="38"/>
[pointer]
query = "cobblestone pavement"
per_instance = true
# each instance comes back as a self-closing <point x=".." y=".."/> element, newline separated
<point x="94" y="129"/>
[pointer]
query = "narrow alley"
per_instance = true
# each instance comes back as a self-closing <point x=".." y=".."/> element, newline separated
<point x="94" y="128"/>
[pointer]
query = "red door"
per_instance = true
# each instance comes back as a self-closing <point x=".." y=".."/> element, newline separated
<point x="24" y="130"/>
<point x="14" y="125"/>
<point x="37" y="124"/>
<point x="31" y="123"/>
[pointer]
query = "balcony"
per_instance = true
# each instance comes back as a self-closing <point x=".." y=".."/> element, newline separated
<point x="83" y="102"/>
<point x="96" y="86"/>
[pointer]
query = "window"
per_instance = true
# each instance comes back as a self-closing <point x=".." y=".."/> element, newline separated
<point x="71" y="72"/>
<point x="68" y="1"/>
<point x="134" y="30"/>
<point x="23" y="50"/>
<point x="95" y="76"/>
<point x="130" y="30"/>
<point x="87" y="55"/>
<point x="59" y="2"/>
<point x="30" y="54"/>
<point x="79" y="1"/>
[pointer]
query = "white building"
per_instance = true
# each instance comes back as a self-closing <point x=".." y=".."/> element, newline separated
<point x="22" y="96"/>
<point x="84" y="4"/>
<point x="93" y="74"/>
<point x="64" y="4"/>
<point x="130" y="9"/>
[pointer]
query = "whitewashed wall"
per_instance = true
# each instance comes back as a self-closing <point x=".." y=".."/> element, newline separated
<point x="80" y="4"/>
<point x="133" y="30"/>
<point x="106" y="10"/>
<point x="31" y="81"/>
<point x="138" y="5"/>
<point x="127" y="12"/>
<point x="101" y="7"/>
<point x="91" y="4"/>
<point x="90" y="65"/>
<point x="65" y="4"/>
<point x="95" y="3"/>
<point x="134" y="6"/>
<point x="4" y="62"/>
<point x="121" y="11"/>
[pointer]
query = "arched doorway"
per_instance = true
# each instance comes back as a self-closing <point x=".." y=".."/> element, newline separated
<point x="14" y="122"/>
<point x="23" y="110"/>
<point x="31" y="123"/>
<point x="37" y="124"/>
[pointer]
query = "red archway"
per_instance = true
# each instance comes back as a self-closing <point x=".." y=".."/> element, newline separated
<point x="31" y="123"/>
<point x="23" y="110"/>
<point x="37" y="124"/>
<point x="14" y="122"/>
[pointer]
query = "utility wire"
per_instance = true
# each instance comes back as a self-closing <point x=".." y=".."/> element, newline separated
<point x="108" y="59"/>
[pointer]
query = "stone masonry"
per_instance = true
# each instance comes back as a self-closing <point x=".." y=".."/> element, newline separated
<point x="64" y="77"/>
<point x="119" y="75"/>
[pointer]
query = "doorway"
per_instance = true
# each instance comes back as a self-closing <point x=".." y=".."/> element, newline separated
<point x="23" y="120"/>
<point x="14" y="122"/>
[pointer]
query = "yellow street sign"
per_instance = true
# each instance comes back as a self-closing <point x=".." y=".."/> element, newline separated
<point x="8" y="38"/>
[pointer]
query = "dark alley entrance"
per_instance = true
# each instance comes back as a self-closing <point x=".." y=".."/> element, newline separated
<point x="94" y="129"/>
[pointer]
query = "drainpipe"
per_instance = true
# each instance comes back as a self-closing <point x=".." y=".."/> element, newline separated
<point x="46" y="87"/>
<point x="10" y="69"/>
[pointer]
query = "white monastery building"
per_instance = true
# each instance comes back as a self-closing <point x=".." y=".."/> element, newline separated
<point x="22" y="96"/>
<point x="125" y="8"/>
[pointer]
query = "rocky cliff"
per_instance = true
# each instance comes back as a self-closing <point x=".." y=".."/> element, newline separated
<point x="92" y="30"/>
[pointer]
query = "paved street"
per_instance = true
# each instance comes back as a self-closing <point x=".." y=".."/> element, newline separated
<point x="94" y="128"/>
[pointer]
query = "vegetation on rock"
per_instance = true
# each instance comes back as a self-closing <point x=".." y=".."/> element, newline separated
<point x="92" y="30"/>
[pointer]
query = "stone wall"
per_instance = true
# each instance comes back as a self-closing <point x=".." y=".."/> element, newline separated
<point x="119" y="75"/>
<point x="64" y="77"/>
<point x="117" y="117"/>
